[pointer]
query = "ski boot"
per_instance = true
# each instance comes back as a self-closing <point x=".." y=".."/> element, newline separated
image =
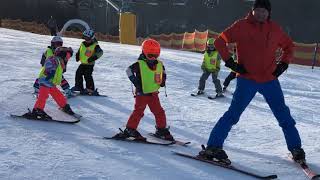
<point x="37" y="114"/>
<point x="129" y="132"/>
<point x="218" y="95"/>
<point x="88" y="92"/>
<point x="214" y="154"/>
<point x="164" y="133"/>
<point x="95" y="93"/>
<point x="68" y="93"/>
<point x="200" y="92"/>
<point x="74" y="89"/>
<point x="67" y="109"/>
<point x="298" y="155"/>
<point x="84" y="92"/>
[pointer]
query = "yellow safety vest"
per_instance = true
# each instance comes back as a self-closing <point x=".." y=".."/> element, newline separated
<point x="86" y="52"/>
<point x="151" y="79"/>
<point x="49" y="53"/>
<point x="211" y="61"/>
<point x="57" y="78"/>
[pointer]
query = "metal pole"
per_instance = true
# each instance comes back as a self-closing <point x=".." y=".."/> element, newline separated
<point x="315" y="55"/>
<point x="113" y="5"/>
<point x="107" y="8"/>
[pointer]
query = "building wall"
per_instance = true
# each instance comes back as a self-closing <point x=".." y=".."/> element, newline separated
<point x="297" y="17"/>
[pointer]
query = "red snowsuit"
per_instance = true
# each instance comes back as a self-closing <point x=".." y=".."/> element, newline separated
<point x="142" y="100"/>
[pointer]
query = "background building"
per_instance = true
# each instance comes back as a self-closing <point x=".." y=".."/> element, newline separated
<point x="298" y="18"/>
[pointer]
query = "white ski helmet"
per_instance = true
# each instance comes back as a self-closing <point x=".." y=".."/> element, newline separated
<point x="89" y="33"/>
<point x="56" y="39"/>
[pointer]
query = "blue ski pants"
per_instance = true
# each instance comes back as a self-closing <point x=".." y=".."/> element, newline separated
<point x="244" y="93"/>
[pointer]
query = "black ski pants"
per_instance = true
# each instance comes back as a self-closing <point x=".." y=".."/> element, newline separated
<point x="86" y="72"/>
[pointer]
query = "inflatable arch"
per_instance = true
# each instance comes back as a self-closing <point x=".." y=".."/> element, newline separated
<point x="73" y="21"/>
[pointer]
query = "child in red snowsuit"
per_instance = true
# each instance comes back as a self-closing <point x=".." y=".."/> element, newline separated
<point x="55" y="43"/>
<point x="147" y="75"/>
<point x="51" y="76"/>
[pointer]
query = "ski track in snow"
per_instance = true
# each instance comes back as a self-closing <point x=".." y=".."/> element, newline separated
<point x="41" y="150"/>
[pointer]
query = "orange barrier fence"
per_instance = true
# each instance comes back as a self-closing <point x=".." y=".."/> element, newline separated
<point x="188" y="41"/>
<point x="200" y="39"/>
<point x="177" y="41"/>
<point x="304" y="54"/>
<point x="212" y="34"/>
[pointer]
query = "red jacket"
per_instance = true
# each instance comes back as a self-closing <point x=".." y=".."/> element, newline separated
<point x="256" y="45"/>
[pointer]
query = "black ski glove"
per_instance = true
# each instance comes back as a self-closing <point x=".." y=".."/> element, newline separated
<point x="281" y="67"/>
<point x="92" y="58"/>
<point x="77" y="56"/>
<point x="239" y="68"/>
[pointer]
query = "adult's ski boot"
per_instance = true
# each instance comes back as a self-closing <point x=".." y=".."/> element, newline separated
<point x="298" y="155"/>
<point x="214" y="154"/>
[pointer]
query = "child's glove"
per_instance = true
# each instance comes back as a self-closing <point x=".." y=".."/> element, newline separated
<point x="203" y="67"/>
<point x="92" y="58"/>
<point x="77" y="57"/>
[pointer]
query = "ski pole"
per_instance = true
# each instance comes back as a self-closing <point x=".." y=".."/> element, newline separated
<point x="132" y="90"/>
<point x="165" y="91"/>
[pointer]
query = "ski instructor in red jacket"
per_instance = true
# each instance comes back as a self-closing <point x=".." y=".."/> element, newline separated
<point x="257" y="38"/>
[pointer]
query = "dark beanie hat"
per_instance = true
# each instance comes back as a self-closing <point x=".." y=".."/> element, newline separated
<point x="262" y="4"/>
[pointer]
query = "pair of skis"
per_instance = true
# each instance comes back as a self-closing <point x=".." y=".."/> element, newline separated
<point x="231" y="167"/>
<point x="310" y="174"/>
<point x="208" y="96"/>
<point x="94" y="93"/>
<point x="78" y="94"/>
<point x="305" y="168"/>
<point x="76" y="117"/>
<point x="147" y="141"/>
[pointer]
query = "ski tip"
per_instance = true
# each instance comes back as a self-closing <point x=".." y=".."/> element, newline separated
<point x="105" y="137"/>
<point x="316" y="177"/>
<point x="176" y="152"/>
<point x="274" y="176"/>
<point x="76" y="121"/>
<point x="181" y="143"/>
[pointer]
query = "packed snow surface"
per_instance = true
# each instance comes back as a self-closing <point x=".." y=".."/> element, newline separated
<point x="53" y="151"/>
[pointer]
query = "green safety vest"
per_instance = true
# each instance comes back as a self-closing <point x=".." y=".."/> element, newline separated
<point x="151" y="79"/>
<point x="211" y="61"/>
<point x="57" y="78"/>
<point x="86" y="52"/>
<point x="49" y="53"/>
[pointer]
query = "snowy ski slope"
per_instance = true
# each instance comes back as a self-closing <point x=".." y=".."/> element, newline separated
<point x="32" y="150"/>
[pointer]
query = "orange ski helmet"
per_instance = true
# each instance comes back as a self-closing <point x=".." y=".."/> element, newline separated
<point x="151" y="49"/>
